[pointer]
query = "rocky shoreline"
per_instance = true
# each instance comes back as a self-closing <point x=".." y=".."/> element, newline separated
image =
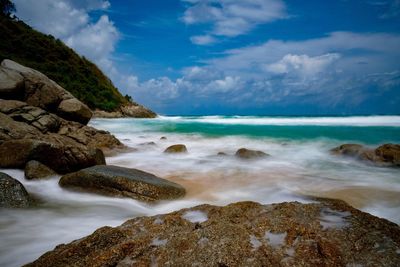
<point x="43" y="130"/>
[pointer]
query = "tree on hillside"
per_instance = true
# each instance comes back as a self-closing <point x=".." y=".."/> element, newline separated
<point x="7" y="8"/>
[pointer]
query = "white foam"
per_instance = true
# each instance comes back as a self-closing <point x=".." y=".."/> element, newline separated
<point x="275" y="239"/>
<point x="195" y="216"/>
<point x="322" y="121"/>
<point x="255" y="243"/>
<point x="334" y="219"/>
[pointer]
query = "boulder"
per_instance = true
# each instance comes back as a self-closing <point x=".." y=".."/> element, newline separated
<point x="74" y="110"/>
<point x="122" y="182"/>
<point x="323" y="233"/>
<point x="179" y="148"/>
<point x="36" y="89"/>
<point x="245" y="153"/>
<point x="12" y="193"/>
<point x="389" y="153"/>
<point x="36" y="170"/>
<point x="137" y="111"/>
<point x="11" y="84"/>
<point x="384" y="155"/>
<point x="54" y="153"/>
<point x="354" y="150"/>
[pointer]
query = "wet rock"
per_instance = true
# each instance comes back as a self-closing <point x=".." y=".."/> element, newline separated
<point x="163" y="138"/>
<point x="384" y="155"/>
<point x="323" y="233"/>
<point x="222" y="154"/>
<point x="389" y="153"/>
<point x="179" y="148"/>
<point x="245" y="153"/>
<point x="54" y="153"/>
<point x="74" y="110"/>
<point x="12" y="193"/>
<point x="349" y="150"/>
<point x="36" y="170"/>
<point x="122" y="182"/>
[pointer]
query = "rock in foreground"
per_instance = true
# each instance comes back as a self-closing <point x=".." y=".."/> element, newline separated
<point x="328" y="233"/>
<point x="36" y="170"/>
<point x="123" y="182"/>
<point x="12" y="193"/>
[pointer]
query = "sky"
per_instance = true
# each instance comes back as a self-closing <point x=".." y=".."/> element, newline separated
<point x="237" y="57"/>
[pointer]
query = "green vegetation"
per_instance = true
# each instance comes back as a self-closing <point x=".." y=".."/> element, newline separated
<point x="52" y="57"/>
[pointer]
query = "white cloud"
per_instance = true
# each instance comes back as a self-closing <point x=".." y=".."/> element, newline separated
<point x="95" y="40"/>
<point x="305" y="65"/>
<point x="233" y="17"/>
<point x="203" y="39"/>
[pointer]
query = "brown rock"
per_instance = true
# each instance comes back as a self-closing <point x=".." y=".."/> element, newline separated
<point x="179" y="148"/>
<point x="349" y="150"/>
<point x="57" y="155"/>
<point x="74" y="110"/>
<point x="122" y="182"/>
<point x="245" y="153"/>
<point x="11" y="84"/>
<point x="389" y="153"/>
<point x="137" y="111"/>
<point x="36" y="170"/>
<point x="323" y="233"/>
<point x="12" y="193"/>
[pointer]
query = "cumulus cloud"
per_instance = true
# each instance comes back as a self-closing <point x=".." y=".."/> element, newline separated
<point x="231" y="18"/>
<point x="304" y="65"/>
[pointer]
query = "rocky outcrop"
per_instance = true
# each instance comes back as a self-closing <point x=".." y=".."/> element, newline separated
<point x="34" y="88"/>
<point x="132" y="110"/>
<point x="384" y="155"/>
<point x="178" y="148"/>
<point x="323" y="233"/>
<point x="26" y="130"/>
<point x="122" y="182"/>
<point x="12" y="193"/>
<point x="36" y="170"/>
<point x="245" y="153"/>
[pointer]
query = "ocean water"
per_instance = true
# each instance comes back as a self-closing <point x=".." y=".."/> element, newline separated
<point x="299" y="166"/>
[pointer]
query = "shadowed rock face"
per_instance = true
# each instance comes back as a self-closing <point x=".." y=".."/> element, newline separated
<point x="123" y="182"/>
<point x="327" y="233"/>
<point x="12" y="193"/>
<point x="36" y="170"/>
<point x="384" y="155"/>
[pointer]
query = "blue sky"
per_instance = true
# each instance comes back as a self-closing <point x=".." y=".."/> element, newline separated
<point x="242" y="57"/>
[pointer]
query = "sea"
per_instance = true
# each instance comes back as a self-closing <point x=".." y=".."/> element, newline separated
<point x="300" y="165"/>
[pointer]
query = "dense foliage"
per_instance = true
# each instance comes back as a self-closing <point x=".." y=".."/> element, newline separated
<point x="52" y="57"/>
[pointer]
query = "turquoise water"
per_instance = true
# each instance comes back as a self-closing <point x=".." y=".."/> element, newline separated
<point x="366" y="130"/>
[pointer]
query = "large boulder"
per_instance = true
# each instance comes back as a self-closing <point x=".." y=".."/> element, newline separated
<point x="38" y="90"/>
<point x="36" y="170"/>
<point x="12" y="193"/>
<point x="323" y="233"/>
<point x="74" y="110"/>
<point x="245" y="153"/>
<point x="54" y="153"/>
<point x="123" y="182"/>
<point x="384" y="155"/>
<point x="178" y="148"/>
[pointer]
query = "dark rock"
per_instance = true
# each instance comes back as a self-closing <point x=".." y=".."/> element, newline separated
<point x="37" y="90"/>
<point x="12" y="193"/>
<point x="123" y="182"/>
<point x="36" y="170"/>
<point x="323" y="233"/>
<point x="179" y="148"/>
<point x="56" y="154"/>
<point x="245" y="153"/>
<point x="384" y="155"/>
<point x="163" y="138"/>
<point x="221" y="154"/>
<point x="74" y="110"/>
<point x="354" y="150"/>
